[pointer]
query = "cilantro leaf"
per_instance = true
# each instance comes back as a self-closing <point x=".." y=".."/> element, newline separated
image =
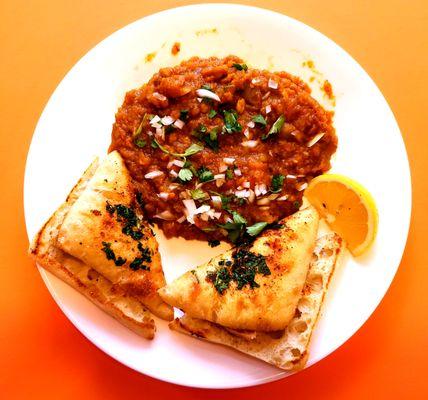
<point x="231" y="121"/>
<point x="276" y="127"/>
<point x="240" y="67"/>
<point x="198" y="194"/>
<point x="184" y="114"/>
<point x="259" y="119"/>
<point x="212" y="113"/>
<point x="255" y="229"/>
<point x="229" y="173"/>
<point x="140" y="143"/>
<point x="277" y="183"/>
<point x="204" y="174"/>
<point x="185" y="174"/>
<point x="238" y="218"/>
<point x="192" y="149"/>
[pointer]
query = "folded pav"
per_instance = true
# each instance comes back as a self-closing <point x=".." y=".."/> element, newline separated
<point x="255" y="287"/>
<point x="287" y="349"/>
<point x="98" y="243"/>
<point x="104" y="229"/>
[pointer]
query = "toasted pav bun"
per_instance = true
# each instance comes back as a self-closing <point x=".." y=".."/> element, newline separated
<point x="286" y="349"/>
<point x="104" y="229"/>
<point x="271" y="303"/>
<point x="124" y="308"/>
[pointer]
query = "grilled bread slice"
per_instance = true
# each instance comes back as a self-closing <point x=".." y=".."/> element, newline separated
<point x="264" y="301"/>
<point x="104" y="229"/>
<point x="287" y="349"/>
<point x="126" y="309"/>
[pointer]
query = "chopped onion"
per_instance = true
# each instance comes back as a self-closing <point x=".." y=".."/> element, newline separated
<point x="268" y="109"/>
<point x="181" y="219"/>
<point x="291" y="176"/>
<point x="159" y="96"/>
<point x="229" y="160"/>
<point x="163" y="195"/>
<point x="178" y="124"/>
<point x="173" y="173"/>
<point x="219" y="176"/>
<point x="167" y="120"/>
<point x="251" y="124"/>
<point x="153" y="174"/>
<point x="190" y="209"/>
<point x="260" y="189"/>
<point x="222" y="168"/>
<point x="263" y="202"/>
<point x="247" y="133"/>
<point x="173" y="186"/>
<point x="217" y="215"/>
<point x="315" y="139"/>
<point x="250" y="143"/>
<point x="255" y="80"/>
<point x="242" y="194"/>
<point x="302" y="186"/>
<point x="170" y="164"/>
<point x="155" y="120"/>
<point x="282" y="198"/>
<point x="237" y="172"/>
<point x="178" y="163"/>
<point x="167" y="215"/>
<point x="273" y="84"/>
<point x="207" y="94"/>
<point x="202" y="209"/>
<point x="246" y="185"/>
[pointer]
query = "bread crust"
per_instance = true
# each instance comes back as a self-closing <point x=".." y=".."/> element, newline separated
<point x="44" y="250"/>
<point x="287" y="349"/>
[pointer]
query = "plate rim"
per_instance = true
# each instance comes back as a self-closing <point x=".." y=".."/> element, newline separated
<point x="46" y="276"/>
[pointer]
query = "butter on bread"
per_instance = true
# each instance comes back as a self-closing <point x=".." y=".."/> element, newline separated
<point x="287" y="252"/>
<point x="97" y="220"/>
<point x="108" y="290"/>
<point x="287" y="349"/>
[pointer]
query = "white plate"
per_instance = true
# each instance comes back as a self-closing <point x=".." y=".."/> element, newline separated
<point x="76" y="125"/>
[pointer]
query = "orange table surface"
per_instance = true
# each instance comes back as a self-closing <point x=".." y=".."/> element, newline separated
<point x="42" y="355"/>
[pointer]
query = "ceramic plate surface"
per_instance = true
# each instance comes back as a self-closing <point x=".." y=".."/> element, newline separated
<point x="76" y="126"/>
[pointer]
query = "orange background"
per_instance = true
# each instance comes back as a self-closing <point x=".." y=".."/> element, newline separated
<point x="43" y="356"/>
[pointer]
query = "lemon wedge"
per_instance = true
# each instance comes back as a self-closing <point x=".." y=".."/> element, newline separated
<point x="347" y="207"/>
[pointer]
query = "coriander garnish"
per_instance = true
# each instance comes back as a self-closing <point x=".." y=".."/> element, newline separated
<point x="259" y="119"/>
<point x="231" y="122"/>
<point x="242" y="270"/>
<point x="277" y="183"/>
<point x="240" y="67"/>
<point x="204" y="174"/>
<point x="255" y="229"/>
<point x="198" y="194"/>
<point x="185" y="174"/>
<point x="276" y="127"/>
<point x="192" y="149"/>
